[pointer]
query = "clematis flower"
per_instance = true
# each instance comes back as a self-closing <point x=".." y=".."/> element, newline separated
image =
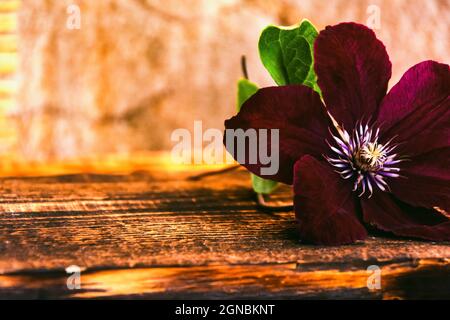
<point x="362" y="158"/>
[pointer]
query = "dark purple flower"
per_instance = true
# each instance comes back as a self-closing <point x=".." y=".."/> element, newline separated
<point x="379" y="159"/>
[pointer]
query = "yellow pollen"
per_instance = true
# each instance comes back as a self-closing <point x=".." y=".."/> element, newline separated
<point x="371" y="155"/>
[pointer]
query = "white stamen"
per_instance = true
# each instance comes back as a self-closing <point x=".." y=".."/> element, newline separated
<point x="361" y="157"/>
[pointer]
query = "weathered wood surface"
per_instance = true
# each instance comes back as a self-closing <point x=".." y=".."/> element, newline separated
<point x="159" y="234"/>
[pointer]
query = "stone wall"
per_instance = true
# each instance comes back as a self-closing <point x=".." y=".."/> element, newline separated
<point x="138" y="69"/>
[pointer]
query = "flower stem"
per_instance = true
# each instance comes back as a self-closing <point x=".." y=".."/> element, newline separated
<point x="213" y="173"/>
<point x="272" y="207"/>
<point x="244" y="67"/>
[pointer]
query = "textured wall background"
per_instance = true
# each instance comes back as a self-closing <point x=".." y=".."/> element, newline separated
<point x="138" y="69"/>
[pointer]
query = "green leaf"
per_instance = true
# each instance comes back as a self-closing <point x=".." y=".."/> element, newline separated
<point x="261" y="185"/>
<point x="287" y="53"/>
<point x="245" y="90"/>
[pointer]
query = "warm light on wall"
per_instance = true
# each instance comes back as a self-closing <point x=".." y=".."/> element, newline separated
<point x="8" y="67"/>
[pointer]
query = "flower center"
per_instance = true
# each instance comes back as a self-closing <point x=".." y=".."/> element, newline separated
<point x="360" y="157"/>
<point x="370" y="156"/>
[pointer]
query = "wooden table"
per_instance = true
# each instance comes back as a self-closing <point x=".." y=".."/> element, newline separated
<point x="160" y="234"/>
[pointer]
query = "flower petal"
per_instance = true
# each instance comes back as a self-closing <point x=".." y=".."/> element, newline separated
<point x="388" y="214"/>
<point x="353" y="71"/>
<point x="427" y="180"/>
<point x="324" y="205"/>
<point x="417" y="109"/>
<point x="301" y="118"/>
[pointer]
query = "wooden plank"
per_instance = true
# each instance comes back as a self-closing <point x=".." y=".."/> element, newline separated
<point x="165" y="225"/>
<point x="118" y="221"/>
<point x="425" y="279"/>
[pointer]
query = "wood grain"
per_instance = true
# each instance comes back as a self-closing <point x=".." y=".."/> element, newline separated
<point x="188" y="238"/>
<point x="425" y="279"/>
